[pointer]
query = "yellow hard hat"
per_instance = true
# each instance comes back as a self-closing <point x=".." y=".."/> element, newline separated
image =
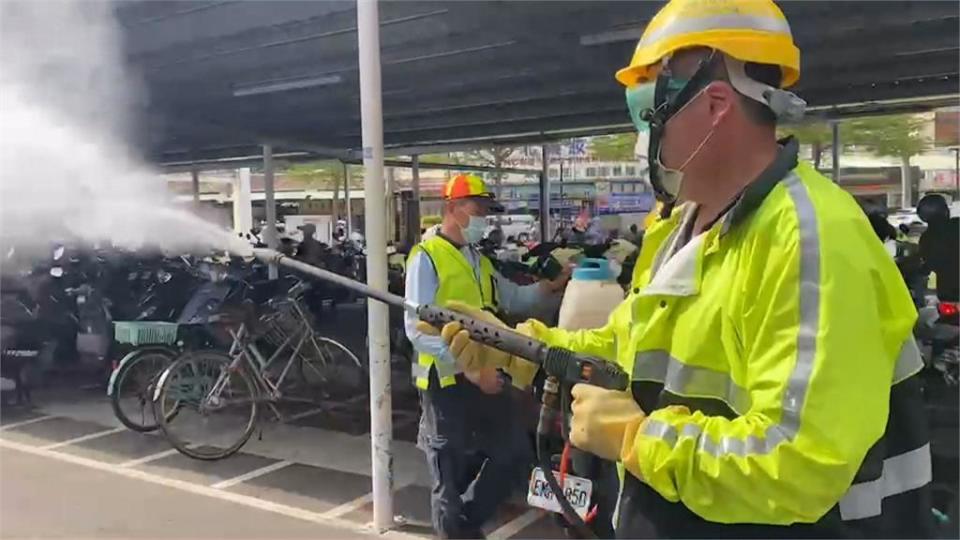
<point x="748" y="30"/>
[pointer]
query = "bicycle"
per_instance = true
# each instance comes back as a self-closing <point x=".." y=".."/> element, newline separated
<point x="156" y="344"/>
<point x="208" y="402"/>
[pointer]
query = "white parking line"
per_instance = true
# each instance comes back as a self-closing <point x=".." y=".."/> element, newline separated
<point x="251" y="475"/>
<point x="198" y="489"/>
<point x="25" y="422"/>
<point x="147" y="459"/>
<point x="84" y="438"/>
<point x="514" y="526"/>
<point x="304" y="414"/>
<point x="348" y="507"/>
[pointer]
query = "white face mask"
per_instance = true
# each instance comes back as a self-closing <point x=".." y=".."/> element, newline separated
<point x="672" y="179"/>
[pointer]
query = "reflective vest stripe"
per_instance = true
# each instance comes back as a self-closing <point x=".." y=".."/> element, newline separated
<point x="716" y="22"/>
<point x="694" y="381"/>
<point x="902" y="473"/>
<point x="799" y="379"/>
<point x="909" y="362"/>
<point x="686" y="380"/>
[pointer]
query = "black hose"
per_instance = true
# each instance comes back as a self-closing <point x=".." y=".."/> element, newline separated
<point x="573" y="519"/>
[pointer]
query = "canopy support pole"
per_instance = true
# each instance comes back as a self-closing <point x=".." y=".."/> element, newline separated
<point x="346" y="198"/>
<point x="371" y="113"/>
<point x="545" y="195"/>
<point x="415" y="184"/>
<point x="269" y="200"/>
<point x="835" y="150"/>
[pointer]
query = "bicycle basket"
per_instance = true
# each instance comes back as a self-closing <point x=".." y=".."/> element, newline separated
<point x="145" y="332"/>
<point x="283" y="323"/>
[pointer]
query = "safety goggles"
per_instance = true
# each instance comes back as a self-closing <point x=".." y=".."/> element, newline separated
<point x="658" y="99"/>
<point x="641" y="100"/>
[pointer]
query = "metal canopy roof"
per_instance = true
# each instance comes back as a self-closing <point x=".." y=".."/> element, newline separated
<point x="226" y="76"/>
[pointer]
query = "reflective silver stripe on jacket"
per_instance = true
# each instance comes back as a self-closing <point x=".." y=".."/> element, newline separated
<point x="695" y="381"/>
<point x="909" y="362"/>
<point x="691" y="381"/>
<point x="799" y="379"/>
<point x="717" y="22"/>
<point x="902" y="473"/>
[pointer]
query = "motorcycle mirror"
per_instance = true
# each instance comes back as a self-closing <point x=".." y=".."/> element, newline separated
<point x="56" y="271"/>
<point x="58" y="253"/>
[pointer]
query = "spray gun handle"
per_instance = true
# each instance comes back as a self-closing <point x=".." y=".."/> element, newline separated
<point x="574" y="368"/>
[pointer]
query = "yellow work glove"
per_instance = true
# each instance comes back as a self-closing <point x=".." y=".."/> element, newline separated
<point x="523" y="371"/>
<point x="470" y="355"/>
<point x="604" y="422"/>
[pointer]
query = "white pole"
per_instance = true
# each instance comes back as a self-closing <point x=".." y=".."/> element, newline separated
<point x="381" y="428"/>
<point x="415" y="159"/>
<point x="195" y="185"/>
<point x="835" y="149"/>
<point x="242" y="206"/>
<point x="270" y="232"/>
<point x="545" y="229"/>
<point x="906" y="184"/>
<point x="346" y="196"/>
<point x="391" y="204"/>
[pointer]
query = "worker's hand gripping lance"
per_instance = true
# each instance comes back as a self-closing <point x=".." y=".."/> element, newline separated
<point x="563" y="368"/>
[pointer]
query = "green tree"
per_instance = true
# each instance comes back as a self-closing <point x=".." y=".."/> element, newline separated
<point x="900" y="136"/>
<point x="617" y="147"/>
<point x="817" y="134"/>
<point x="492" y="156"/>
<point x="326" y="175"/>
<point x="495" y="157"/>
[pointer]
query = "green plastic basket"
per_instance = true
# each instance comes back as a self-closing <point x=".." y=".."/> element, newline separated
<point x="145" y="333"/>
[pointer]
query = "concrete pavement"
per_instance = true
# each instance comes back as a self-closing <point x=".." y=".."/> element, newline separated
<point x="66" y="470"/>
<point x="46" y="497"/>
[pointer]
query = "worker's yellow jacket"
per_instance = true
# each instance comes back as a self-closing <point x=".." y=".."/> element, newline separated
<point x="774" y="356"/>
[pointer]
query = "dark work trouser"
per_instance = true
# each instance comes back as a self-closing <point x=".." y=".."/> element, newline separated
<point x="476" y="450"/>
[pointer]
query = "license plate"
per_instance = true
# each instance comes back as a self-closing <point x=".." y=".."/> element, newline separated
<point x="576" y="489"/>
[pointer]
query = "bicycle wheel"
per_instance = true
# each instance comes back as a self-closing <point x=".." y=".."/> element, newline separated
<point x="216" y="406"/>
<point x="333" y="371"/>
<point x="132" y="393"/>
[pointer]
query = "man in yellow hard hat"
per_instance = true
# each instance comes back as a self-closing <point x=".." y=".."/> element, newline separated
<point x="469" y="428"/>
<point x="766" y="331"/>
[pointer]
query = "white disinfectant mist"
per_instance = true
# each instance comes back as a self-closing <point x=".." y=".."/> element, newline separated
<point x="68" y="167"/>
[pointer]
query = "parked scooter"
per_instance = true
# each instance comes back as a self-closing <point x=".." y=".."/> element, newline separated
<point x="938" y="331"/>
<point x="21" y="334"/>
<point x="82" y="281"/>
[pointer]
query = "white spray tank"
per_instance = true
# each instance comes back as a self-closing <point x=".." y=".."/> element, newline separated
<point x="590" y="297"/>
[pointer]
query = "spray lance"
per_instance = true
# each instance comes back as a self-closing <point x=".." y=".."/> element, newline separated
<point x="563" y="368"/>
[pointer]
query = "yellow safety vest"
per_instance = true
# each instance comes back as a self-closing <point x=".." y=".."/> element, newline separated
<point x="765" y="352"/>
<point x="458" y="281"/>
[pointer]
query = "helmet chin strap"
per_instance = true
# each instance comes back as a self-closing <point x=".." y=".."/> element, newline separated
<point x="665" y="107"/>
<point x="786" y="105"/>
